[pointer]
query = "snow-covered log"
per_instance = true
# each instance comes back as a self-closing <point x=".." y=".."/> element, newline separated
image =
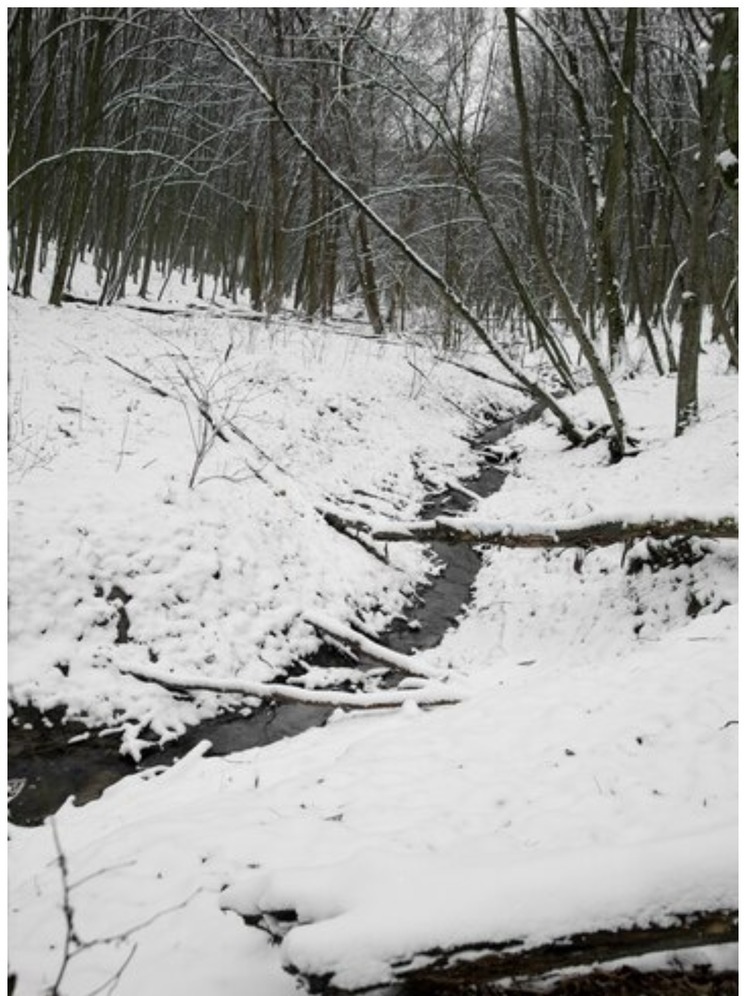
<point x="368" y="648"/>
<point x="458" y="970"/>
<point x="587" y="532"/>
<point x="293" y="693"/>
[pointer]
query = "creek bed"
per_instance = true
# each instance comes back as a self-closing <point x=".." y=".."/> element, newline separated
<point x="50" y="759"/>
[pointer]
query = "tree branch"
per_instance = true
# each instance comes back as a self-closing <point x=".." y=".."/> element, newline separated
<point x="448" y="293"/>
<point x="146" y="380"/>
<point x="100" y="151"/>
<point x="293" y="693"/>
<point x="349" y="529"/>
<point x="447" y="974"/>
<point x="580" y="533"/>
<point x="367" y="647"/>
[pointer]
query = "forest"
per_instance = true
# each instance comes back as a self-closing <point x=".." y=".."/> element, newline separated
<point x="372" y="501"/>
<point x="510" y="172"/>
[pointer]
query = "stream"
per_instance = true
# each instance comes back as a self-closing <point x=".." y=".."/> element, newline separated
<point x="50" y="760"/>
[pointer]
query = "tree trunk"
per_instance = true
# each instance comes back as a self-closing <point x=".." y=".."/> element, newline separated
<point x="368" y="277"/>
<point x="581" y="533"/>
<point x="39" y="188"/>
<point x="20" y="212"/>
<point x="551" y="276"/>
<point x="605" y="196"/>
<point x="447" y="975"/>
<point x="543" y="397"/>
<point x="80" y="169"/>
<point x="329" y="254"/>
<point x="696" y="274"/>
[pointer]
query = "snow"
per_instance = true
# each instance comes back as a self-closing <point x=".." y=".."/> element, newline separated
<point x="586" y="779"/>
<point x="727" y="160"/>
<point x="100" y="498"/>
<point x="447" y="900"/>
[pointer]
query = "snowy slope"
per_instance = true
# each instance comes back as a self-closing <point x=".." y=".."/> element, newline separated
<point x="588" y="778"/>
<point x="213" y="578"/>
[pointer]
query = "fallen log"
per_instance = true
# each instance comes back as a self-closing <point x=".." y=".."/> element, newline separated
<point x="590" y="532"/>
<point x="462" y="970"/>
<point x="293" y="693"/>
<point x="678" y="980"/>
<point x="371" y="650"/>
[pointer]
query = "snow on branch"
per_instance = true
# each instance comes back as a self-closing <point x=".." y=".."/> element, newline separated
<point x="367" y="647"/>
<point x="588" y="532"/>
<point x="100" y="151"/>
<point x="460" y="969"/>
<point x="338" y="632"/>
<point x="461" y="923"/>
<point x="293" y="693"/>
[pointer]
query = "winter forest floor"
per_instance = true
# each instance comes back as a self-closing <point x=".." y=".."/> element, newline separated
<point x="584" y="778"/>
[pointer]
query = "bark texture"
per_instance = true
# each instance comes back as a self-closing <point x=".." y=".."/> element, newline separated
<point x="580" y="534"/>
<point x="448" y="975"/>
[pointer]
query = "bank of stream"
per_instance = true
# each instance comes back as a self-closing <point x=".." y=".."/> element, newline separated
<point x="50" y="760"/>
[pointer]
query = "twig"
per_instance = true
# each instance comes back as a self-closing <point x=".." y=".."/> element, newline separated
<point x="146" y="380"/>
<point x="124" y="439"/>
<point x="71" y="937"/>
<point x="74" y="945"/>
<point x="113" y="982"/>
<point x="203" y="407"/>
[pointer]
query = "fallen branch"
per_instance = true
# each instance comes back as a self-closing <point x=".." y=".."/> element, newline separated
<point x="146" y="380"/>
<point x="345" y="524"/>
<point x="293" y="693"/>
<point x="368" y="648"/>
<point x="581" y="533"/>
<point x="485" y="376"/>
<point x="348" y="528"/>
<point x="460" y="969"/>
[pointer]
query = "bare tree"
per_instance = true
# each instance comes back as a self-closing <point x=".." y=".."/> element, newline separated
<point x="455" y="301"/>
<point x="576" y="207"/>
<point x="538" y="238"/>
<point x="720" y="33"/>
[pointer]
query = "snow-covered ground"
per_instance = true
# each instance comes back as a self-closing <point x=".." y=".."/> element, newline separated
<point x="219" y="574"/>
<point x="586" y="780"/>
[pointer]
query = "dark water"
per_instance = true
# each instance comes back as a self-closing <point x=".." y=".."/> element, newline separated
<point x="51" y="769"/>
<point x="45" y="769"/>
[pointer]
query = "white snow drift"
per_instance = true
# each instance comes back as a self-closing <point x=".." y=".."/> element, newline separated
<point x="588" y="779"/>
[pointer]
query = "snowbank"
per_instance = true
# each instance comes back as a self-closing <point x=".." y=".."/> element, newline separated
<point x="588" y="777"/>
<point x="213" y="580"/>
